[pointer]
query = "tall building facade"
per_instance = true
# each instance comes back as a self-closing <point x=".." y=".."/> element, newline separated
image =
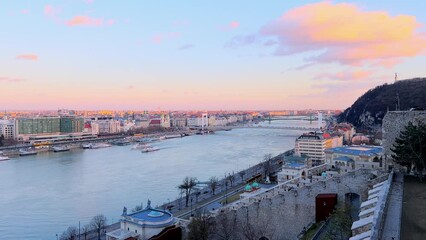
<point x="38" y="125"/>
<point x="69" y="124"/>
<point x="7" y="129"/>
<point x="311" y="145"/>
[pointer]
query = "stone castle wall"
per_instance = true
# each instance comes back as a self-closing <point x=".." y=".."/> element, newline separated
<point x="283" y="214"/>
<point x="393" y="123"/>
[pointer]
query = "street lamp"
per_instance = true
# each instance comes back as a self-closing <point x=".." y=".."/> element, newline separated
<point x="191" y="207"/>
<point x="56" y="236"/>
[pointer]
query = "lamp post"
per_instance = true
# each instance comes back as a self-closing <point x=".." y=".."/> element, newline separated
<point x="56" y="236"/>
<point x="191" y="207"/>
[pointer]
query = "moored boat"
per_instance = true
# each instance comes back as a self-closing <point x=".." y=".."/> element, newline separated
<point x="27" y="152"/>
<point x="3" y="158"/>
<point x="99" y="145"/>
<point x="173" y="136"/>
<point x="60" y="148"/>
<point x="121" y="142"/>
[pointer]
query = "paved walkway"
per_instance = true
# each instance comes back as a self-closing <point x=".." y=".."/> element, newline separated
<point x="392" y="226"/>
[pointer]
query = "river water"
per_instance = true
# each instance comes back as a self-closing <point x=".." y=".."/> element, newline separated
<point x="42" y="195"/>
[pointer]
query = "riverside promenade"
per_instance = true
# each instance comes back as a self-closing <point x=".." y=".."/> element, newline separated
<point x="206" y="200"/>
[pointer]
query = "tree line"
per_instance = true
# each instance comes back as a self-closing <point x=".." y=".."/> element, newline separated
<point x="97" y="224"/>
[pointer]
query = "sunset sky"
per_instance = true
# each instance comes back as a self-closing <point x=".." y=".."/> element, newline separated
<point x="206" y="55"/>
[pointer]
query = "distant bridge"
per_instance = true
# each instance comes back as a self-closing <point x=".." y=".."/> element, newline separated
<point x="282" y="127"/>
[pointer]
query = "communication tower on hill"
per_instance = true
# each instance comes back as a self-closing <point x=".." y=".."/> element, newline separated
<point x="396" y="77"/>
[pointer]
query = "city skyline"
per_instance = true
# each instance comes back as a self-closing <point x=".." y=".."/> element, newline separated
<point x="92" y="54"/>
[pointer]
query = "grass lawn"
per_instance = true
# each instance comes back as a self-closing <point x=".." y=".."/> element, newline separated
<point x="230" y="199"/>
<point x="413" y="220"/>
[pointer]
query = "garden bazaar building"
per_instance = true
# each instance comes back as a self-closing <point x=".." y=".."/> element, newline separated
<point x="143" y="224"/>
<point x="355" y="157"/>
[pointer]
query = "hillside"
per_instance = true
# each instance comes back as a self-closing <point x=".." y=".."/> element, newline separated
<point x="369" y="109"/>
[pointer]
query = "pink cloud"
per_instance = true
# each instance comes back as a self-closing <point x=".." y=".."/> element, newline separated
<point x="89" y="1"/>
<point x="160" y="37"/>
<point x="51" y="11"/>
<point x="230" y="26"/>
<point x="346" y="34"/>
<point x="345" y="75"/>
<point x="110" y="22"/>
<point x="11" y="80"/>
<point x="82" y="20"/>
<point x="233" y="24"/>
<point x="31" y="57"/>
<point x="25" y="11"/>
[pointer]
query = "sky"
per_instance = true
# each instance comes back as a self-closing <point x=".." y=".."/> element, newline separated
<point x="204" y="55"/>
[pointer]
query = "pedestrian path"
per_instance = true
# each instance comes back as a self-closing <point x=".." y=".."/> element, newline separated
<point x="392" y="225"/>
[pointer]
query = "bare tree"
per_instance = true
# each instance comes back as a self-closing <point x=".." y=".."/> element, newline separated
<point x="224" y="227"/>
<point x="98" y="223"/>
<point x="213" y="183"/>
<point x="231" y="179"/>
<point x="85" y="230"/>
<point x="70" y="234"/>
<point x="242" y="173"/>
<point x="267" y="164"/>
<point x="200" y="227"/>
<point x="187" y="185"/>
<point x="261" y="225"/>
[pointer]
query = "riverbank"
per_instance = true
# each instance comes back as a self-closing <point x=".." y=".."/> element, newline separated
<point x="203" y="197"/>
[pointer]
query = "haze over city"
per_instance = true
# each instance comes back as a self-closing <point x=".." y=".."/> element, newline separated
<point x="139" y="55"/>
<point x="213" y="120"/>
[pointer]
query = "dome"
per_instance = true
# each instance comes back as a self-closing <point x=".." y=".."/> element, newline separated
<point x="255" y="185"/>
<point x="155" y="214"/>
<point x="248" y="188"/>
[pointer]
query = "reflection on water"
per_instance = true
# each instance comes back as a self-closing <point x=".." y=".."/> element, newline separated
<point x="44" y="194"/>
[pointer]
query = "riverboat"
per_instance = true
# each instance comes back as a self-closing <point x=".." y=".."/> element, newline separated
<point x="3" y="158"/>
<point x="173" y="136"/>
<point x="147" y="149"/>
<point x="27" y="152"/>
<point x="95" y="145"/>
<point x="60" y="148"/>
<point x="121" y="142"/>
<point x="139" y="146"/>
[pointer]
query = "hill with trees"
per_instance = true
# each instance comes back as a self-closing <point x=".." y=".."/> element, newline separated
<point x="367" y="111"/>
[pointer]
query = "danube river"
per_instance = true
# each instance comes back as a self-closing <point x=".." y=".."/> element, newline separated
<point x="40" y="196"/>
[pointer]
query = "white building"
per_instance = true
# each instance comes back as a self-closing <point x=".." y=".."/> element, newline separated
<point x="311" y="145"/>
<point x="105" y="126"/>
<point x="142" y="224"/>
<point x="291" y="171"/>
<point x="7" y="129"/>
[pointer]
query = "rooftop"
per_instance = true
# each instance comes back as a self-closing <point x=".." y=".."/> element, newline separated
<point x="368" y="151"/>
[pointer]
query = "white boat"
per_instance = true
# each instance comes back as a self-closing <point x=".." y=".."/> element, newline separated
<point x="27" y="152"/>
<point x="96" y="145"/>
<point x="173" y="136"/>
<point x="60" y="148"/>
<point x="100" y="145"/>
<point x="147" y="149"/>
<point x="3" y="158"/>
<point x="139" y="146"/>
